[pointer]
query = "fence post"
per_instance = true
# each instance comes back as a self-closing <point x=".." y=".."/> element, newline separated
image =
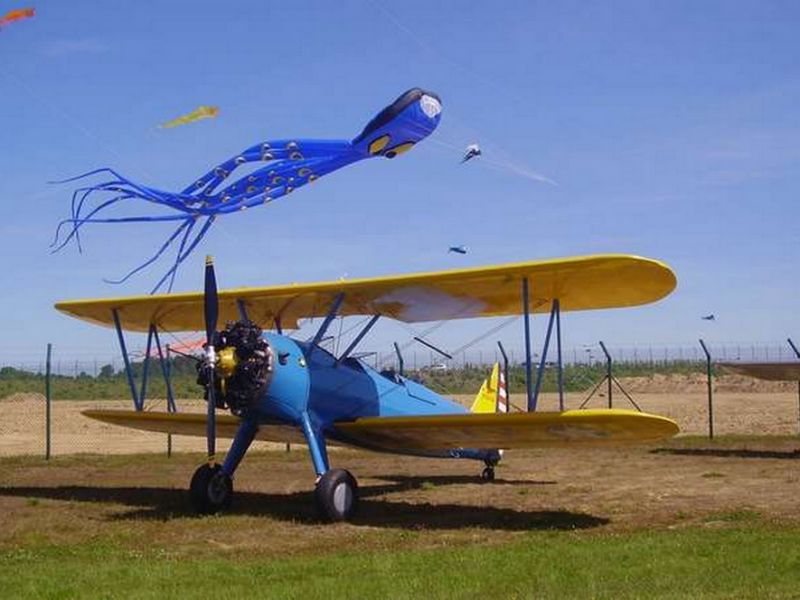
<point x="47" y="399"/>
<point x="609" y="373"/>
<point x="797" y="353"/>
<point x="167" y="382"/>
<point x="710" y="392"/>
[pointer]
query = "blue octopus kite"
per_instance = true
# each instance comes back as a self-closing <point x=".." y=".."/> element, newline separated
<point x="292" y="163"/>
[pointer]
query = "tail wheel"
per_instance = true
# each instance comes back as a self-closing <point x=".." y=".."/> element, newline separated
<point x="211" y="489"/>
<point x="337" y="495"/>
<point x="487" y="474"/>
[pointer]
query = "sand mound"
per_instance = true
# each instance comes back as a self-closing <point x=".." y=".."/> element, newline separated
<point x="696" y="383"/>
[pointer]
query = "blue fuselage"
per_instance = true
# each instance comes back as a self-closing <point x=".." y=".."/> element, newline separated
<point x="308" y="381"/>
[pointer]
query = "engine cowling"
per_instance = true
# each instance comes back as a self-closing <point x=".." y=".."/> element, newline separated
<point x="244" y="366"/>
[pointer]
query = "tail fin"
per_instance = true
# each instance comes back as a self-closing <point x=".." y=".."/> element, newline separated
<point x="492" y="397"/>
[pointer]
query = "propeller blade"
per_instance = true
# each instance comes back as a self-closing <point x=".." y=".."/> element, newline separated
<point x="211" y="312"/>
<point x="211" y="420"/>
<point x="210" y="300"/>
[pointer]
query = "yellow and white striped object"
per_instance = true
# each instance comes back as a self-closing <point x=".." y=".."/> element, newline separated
<point x="492" y="397"/>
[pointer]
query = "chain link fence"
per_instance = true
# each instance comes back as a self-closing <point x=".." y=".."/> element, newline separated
<point x="420" y="359"/>
<point x="667" y="380"/>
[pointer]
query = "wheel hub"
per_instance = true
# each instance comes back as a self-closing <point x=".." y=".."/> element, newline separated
<point x="217" y="488"/>
<point x="342" y="497"/>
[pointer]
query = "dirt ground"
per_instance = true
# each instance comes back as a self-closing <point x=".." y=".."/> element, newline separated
<point x="140" y="501"/>
<point x="742" y="406"/>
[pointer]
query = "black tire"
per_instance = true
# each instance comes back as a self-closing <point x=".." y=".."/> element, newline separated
<point x="487" y="474"/>
<point x="336" y="495"/>
<point x="211" y="490"/>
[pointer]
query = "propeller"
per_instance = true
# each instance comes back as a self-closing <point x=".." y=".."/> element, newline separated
<point x="211" y="312"/>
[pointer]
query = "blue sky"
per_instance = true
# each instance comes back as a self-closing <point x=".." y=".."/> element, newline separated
<point x="670" y="128"/>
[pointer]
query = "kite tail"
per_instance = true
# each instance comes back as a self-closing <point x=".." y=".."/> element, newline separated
<point x="125" y="189"/>
<point x="76" y="209"/>
<point x="76" y="221"/>
<point x="182" y="254"/>
<point x="188" y="222"/>
<point x="125" y="185"/>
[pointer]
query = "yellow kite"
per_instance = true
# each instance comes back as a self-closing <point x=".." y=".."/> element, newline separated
<point x="201" y="112"/>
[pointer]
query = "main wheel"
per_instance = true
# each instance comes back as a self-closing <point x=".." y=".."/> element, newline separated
<point x="211" y="489"/>
<point x="487" y="474"/>
<point x="336" y="495"/>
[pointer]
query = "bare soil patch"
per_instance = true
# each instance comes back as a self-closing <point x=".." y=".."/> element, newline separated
<point x="140" y="501"/>
<point x="742" y="406"/>
<point x="22" y="428"/>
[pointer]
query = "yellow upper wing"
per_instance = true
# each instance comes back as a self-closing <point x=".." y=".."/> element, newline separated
<point x="580" y="283"/>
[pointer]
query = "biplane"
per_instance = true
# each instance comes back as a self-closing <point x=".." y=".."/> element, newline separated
<point x="281" y="389"/>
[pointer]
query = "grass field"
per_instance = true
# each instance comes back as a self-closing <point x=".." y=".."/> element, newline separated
<point x="688" y="519"/>
<point x="753" y="560"/>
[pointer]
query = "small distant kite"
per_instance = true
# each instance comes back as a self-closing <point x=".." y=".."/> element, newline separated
<point x="458" y="249"/>
<point x="16" y="15"/>
<point x="201" y="112"/>
<point x="709" y="318"/>
<point x="471" y="152"/>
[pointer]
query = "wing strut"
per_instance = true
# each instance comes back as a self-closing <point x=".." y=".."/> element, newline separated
<point x="400" y="362"/>
<point x="337" y="302"/>
<point x="152" y="335"/>
<point x="432" y="347"/>
<point x="557" y="309"/>
<point x="241" y="306"/>
<point x="358" y="338"/>
<point x="555" y="318"/>
<point x="146" y="366"/>
<point x="126" y="359"/>
<point x="543" y="359"/>
<point x="526" y="311"/>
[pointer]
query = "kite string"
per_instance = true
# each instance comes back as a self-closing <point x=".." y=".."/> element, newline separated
<point x="58" y="111"/>
<point x="506" y="164"/>
<point x="497" y="158"/>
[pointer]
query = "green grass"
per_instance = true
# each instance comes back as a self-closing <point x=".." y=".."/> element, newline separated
<point x="733" y="516"/>
<point x="739" y="560"/>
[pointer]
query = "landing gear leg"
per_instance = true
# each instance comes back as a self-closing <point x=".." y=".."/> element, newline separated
<point x="490" y="460"/>
<point x="336" y="492"/>
<point x="211" y="489"/>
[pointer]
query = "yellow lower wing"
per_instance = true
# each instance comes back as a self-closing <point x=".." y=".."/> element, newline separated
<point x="514" y="430"/>
<point x="192" y="424"/>
<point x="436" y="432"/>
